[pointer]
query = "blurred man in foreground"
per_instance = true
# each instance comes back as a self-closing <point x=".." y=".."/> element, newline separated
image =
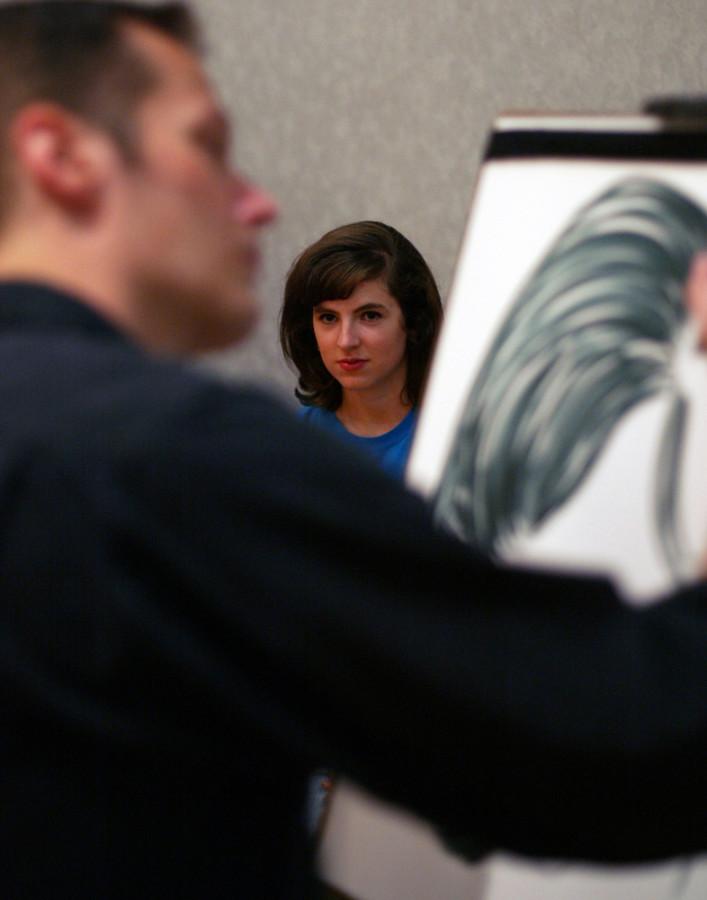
<point x="200" y="600"/>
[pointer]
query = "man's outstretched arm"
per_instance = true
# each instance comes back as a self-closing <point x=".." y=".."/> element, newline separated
<point x="533" y="709"/>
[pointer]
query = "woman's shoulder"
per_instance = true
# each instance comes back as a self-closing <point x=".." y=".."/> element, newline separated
<point x="313" y="413"/>
<point x="403" y="431"/>
<point x="324" y="418"/>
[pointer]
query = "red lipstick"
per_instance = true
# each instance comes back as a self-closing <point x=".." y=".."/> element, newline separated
<point x="351" y="364"/>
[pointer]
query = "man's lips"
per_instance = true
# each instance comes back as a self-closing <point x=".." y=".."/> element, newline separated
<point x="351" y="364"/>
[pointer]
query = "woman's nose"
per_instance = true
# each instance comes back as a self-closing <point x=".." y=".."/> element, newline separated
<point x="348" y="335"/>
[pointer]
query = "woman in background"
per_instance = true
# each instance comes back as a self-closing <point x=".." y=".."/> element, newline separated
<point x="359" y="321"/>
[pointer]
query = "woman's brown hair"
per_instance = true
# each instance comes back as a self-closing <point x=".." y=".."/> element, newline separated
<point x="331" y="269"/>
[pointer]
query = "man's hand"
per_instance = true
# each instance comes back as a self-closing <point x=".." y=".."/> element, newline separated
<point x="696" y="295"/>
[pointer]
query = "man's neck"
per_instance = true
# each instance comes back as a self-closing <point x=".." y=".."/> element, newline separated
<point x="78" y="267"/>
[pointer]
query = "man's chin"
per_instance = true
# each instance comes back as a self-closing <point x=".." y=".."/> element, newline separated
<point x="228" y="330"/>
<point x="193" y="318"/>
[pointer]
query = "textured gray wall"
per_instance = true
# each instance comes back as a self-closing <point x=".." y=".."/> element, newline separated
<point x="351" y="109"/>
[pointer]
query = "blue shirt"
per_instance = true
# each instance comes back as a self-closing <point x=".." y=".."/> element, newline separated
<point x="391" y="449"/>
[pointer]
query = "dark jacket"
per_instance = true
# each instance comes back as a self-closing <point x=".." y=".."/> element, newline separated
<point x="201" y="599"/>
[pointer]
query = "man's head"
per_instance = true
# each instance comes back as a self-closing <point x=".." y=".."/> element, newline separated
<point x="114" y="171"/>
<point x="75" y="55"/>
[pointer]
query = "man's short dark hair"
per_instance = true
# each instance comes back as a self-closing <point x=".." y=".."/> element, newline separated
<point x="75" y="54"/>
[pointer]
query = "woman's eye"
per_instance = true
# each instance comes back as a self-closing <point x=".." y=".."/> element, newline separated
<point x="371" y="315"/>
<point x="326" y="318"/>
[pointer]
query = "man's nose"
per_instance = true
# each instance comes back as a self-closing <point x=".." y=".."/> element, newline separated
<point x="252" y="205"/>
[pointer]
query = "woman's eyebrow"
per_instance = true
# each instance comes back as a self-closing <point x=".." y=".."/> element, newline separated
<point x="371" y="305"/>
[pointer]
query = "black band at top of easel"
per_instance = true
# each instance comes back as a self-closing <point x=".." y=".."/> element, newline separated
<point x="663" y="145"/>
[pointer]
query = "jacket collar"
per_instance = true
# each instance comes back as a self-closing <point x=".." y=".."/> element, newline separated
<point x="34" y="305"/>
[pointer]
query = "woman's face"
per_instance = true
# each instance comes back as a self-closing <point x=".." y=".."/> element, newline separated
<point x="362" y="340"/>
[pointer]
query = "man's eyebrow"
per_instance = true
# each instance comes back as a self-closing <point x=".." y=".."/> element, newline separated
<point x="214" y="127"/>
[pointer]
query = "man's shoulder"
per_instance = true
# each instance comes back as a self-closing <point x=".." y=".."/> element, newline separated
<point x="104" y="395"/>
<point x="103" y="410"/>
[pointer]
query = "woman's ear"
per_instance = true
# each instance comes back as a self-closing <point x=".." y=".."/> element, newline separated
<point x="60" y="154"/>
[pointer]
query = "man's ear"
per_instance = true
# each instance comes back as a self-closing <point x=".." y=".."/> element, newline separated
<point x="63" y="156"/>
